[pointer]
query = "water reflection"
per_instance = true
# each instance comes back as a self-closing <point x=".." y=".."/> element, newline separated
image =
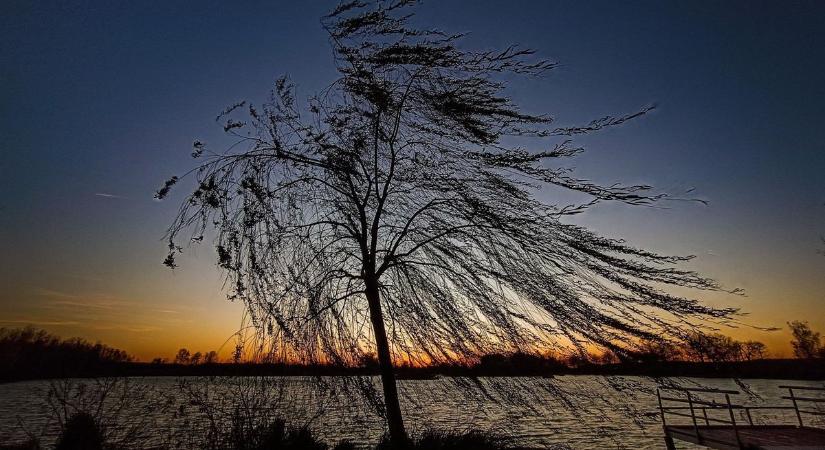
<point x="578" y="412"/>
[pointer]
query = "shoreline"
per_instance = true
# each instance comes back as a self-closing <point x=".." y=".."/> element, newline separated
<point x="788" y="369"/>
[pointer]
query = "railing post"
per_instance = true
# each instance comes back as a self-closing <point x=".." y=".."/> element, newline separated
<point x="661" y="408"/>
<point x="733" y="421"/>
<point x="693" y="417"/>
<point x="748" y="412"/>
<point x="795" y="407"/>
<point x="668" y="440"/>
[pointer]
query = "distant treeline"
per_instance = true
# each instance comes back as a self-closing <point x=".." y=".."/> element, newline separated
<point x="695" y="348"/>
<point x="518" y="364"/>
<point x="29" y="353"/>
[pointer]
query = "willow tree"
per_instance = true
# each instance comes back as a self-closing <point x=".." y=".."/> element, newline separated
<point x="398" y="212"/>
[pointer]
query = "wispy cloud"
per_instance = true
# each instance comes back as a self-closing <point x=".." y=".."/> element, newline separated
<point x="83" y="277"/>
<point x="54" y="294"/>
<point x="106" y="195"/>
<point x="134" y="328"/>
<point x="74" y="304"/>
<point x="80" y="299"/>
<point x="100" y="312"/>
<point x="41" y="322"/>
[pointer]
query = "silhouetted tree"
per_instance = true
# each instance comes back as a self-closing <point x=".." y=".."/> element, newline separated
<point x="237" y="354"/>
<point x="655" y="350"/>
<point x="607" y="357"/>
<point x="210" y="357"/>
<point x="368" y="361"/>
<point x="182" y="357"/>
<point x="397" y="213"/>
<point x="806" y="342"/>
<point x="517" y="363"/>
<point x="196" y="358"/>
<point x="753" y="350"/>
<point x="713" y="348"/>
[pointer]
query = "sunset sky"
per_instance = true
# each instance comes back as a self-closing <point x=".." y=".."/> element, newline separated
<point x="100" y="103"/>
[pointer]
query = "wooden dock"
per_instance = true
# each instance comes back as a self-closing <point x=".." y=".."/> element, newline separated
<point x="713" y="423"/>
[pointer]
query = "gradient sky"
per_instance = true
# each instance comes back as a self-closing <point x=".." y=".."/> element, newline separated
<point x="100" y="101"/>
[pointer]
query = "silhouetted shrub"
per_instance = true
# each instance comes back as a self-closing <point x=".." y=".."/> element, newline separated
<point x="344" y="445"/>
<point x="125" y="413"/>
<point x="442" y="440"/>
<point x="272" y="436"/>
<point x="81" y="432"/>
<point x="299" y="439"/>
<point x="31" y="444"/>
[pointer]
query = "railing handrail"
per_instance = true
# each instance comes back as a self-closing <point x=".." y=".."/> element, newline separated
<point x="696" y="401"/>
<point x="804" y="399"/>
<point x="696" y="405"/>
<point x="803" y="388"/>
<point x="710" y="390"/>
<point x="742" y="407"/>
<point x="795" y="400"/>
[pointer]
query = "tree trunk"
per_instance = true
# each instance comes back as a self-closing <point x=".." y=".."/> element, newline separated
<point x="395" y="422"/>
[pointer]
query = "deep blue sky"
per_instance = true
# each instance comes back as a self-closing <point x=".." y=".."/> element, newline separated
<point x="100" y="101"/>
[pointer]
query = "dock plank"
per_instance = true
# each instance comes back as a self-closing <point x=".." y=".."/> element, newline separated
<point x="757" y="437"/>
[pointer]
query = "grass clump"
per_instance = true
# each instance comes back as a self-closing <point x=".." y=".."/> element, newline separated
<point x="275" y="435"/>
<point x="31" y="444"/>
<point x="445" y="440"/>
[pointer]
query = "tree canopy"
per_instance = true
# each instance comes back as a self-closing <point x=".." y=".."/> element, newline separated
<point x="406" y="195"/>
<point x="806" y="342"/>
<point x="411" y="168"/>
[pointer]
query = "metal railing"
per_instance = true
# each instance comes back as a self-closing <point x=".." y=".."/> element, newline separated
<point x="804" y="399"/>
<point x="696" y="406"/>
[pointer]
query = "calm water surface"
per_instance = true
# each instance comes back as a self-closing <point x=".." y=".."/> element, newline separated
<point x="577" y="412"/>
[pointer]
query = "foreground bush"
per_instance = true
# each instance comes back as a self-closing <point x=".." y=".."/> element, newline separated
<point x="273" y="436"/>
<point x="31" y="444"/>
<point x="277" y="436"/>
<point x="81" y="432"/>
<point x="440" y="440"/>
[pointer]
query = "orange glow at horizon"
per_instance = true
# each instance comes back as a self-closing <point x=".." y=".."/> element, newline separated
<point x="146" y="332"/>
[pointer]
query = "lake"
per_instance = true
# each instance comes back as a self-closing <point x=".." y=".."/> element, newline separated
<point x="577" y="412"/>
